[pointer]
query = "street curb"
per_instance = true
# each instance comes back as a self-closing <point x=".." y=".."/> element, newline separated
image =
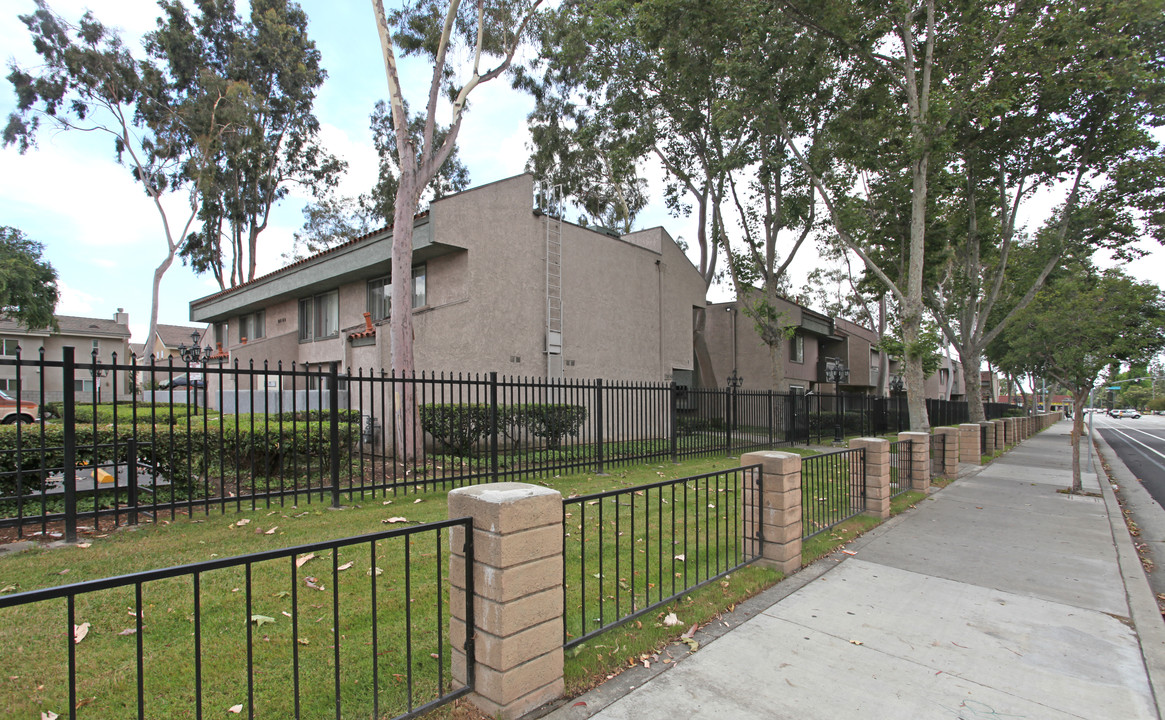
<point x="1144" y="613"/>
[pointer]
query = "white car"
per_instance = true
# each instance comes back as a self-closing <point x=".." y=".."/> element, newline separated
<point x="1126" y="413"/>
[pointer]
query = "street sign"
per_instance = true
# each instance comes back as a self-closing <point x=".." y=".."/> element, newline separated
<point x="1113" y="387"/>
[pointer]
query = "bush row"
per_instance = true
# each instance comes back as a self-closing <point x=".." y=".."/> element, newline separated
<point x="458" y="428"/>
<point x="173" y="452"/>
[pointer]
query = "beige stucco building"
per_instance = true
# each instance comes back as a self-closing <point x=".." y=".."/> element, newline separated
<point x="485" y="298"/>
<point x="108" y="337"/>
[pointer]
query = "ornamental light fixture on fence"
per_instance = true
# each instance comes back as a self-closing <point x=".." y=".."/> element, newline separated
<point x="194" y="356"/>
<point x="896" y="384"/>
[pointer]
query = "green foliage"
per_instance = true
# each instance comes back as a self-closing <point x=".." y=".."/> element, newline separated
<point x="1157" y="404"/>
<point x="457" y="427"/>
<point x="552" y="422"/>
<point x="28" y="284"/>
<point x="174" y="450"/>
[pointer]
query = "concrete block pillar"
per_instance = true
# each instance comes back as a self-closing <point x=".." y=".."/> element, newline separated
<point x="776" y="492"/>
<point x="917" y="459"/>
<point x="1010" y="425"/>
<point x="1000" y="434"/>
<point x="989" y="434"/>
<point x="517" y="596"/>
<point x="969" y="443"/>
<point x="948" y="463"/>
<point x="877" y="475"/>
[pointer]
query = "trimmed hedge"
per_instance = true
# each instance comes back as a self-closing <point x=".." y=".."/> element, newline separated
<point x="459" y="428"/>
<point x="173" y="450"/>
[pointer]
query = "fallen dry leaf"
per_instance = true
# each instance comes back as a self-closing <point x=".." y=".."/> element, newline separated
<point x="129" y="631"/>
<point x="243" y="522"/>
<point x="236" y="709"/>
<point x="299" y="561"/>
<point x="79" y="632"/>
<point x="671" y="620"/>
<point x="48" y="715"/>
<point x="395" y="520"/>
<point x="84" y="545"/>
<point x="346" y="566"/>
<point x="272" y="530"/>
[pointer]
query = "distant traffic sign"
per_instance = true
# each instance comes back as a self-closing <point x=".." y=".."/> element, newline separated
<point x="1113" y="387"/>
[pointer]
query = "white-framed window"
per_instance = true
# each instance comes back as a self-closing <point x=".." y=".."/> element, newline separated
<point x="319" y="316"/>
<point x="380" y="293"/>
<point x="253" y="325"/>
<point x="97" y="345"/>
<point x="797" y="389"/>
<point x="8" y="385"/>
<point x="221" y="334"/>
<point x="8" y="346"/>
<point x="80" y="385"/>
<point x="797" y="349"/>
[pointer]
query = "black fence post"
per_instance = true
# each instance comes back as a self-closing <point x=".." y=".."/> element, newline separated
<point x="334" y="429"/>
<point x="68" y="371"/>
<point x="673" y="419"/>
<point x="730" y="404"/>
<point x="599" y="426"/>
<point x="772" y="415"/>
<point x="493" y="425"/>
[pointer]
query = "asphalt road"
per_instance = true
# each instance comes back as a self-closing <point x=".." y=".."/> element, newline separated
<point x="1140" y="443"/>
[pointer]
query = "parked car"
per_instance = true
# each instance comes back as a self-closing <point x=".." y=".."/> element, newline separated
<point x="1126" y="413"/>
<point x="12" y="411"/>
<point x="181" y="381"/>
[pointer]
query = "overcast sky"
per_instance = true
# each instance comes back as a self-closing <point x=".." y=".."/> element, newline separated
<point x="103" y="235"/>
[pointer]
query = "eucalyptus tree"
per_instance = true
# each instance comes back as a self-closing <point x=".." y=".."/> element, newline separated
<point x="1071" y="103"/>
<point x="483" y="37"/>
<point x="1077" y="326"/>
<point x="163" y="129"/>
<point x="277" y="143"/>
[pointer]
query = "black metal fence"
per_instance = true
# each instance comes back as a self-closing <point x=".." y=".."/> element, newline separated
<point x="135" y="439"/>
<point x="639" y="548"/>
<point x="833" y="489"/>
<point x="900" y="467"/>
<point x="356" y="627"/>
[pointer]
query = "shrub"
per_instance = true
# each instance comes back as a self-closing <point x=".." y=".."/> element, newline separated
<point x="551" y="422"/>
<point x="457" y="427"/>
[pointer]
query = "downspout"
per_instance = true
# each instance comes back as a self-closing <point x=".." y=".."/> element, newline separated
<point x="659" y="305"/>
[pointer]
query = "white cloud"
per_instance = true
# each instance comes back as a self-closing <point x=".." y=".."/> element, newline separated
<point x="74" y="301"/>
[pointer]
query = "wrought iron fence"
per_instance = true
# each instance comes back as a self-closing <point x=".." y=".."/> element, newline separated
<point x="639" y="548"/>
<point x="938" y="451"/>
<point x="360" y="631"/>
<point x="900" y="467"/>
<point x="134" y="439"/>
<point x="833" y="489"/>
<point x="983" y="430"/>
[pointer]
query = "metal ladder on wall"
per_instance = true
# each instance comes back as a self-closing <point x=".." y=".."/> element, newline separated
<point x="553" y="198"/>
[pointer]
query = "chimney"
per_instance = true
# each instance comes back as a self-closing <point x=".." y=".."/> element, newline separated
<point x="121" y="317"/>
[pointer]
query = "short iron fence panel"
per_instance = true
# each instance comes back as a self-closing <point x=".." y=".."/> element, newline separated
<point x="356" y="627"/>
<point x="900" y="478"/>
<point x="833" y="489"/>
<point x="629" y="551"/>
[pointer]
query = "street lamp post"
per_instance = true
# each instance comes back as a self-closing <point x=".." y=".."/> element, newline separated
<point x="734" y="382"/>
<point x="836" y="373"/>
<point x="193" y="356"/>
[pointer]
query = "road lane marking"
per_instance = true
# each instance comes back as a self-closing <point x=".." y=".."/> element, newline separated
<point x="1142" y="452"/>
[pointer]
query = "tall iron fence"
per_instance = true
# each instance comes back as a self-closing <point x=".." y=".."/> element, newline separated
<point x="134" y="439"/>
<point x="357" y="627"/>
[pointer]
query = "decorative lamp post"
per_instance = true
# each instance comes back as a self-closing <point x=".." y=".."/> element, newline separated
<point x="836" y="373"/>
<point x="896" y="384"/>
<point x="734" y="382"/>
<point x="194" y="356"/>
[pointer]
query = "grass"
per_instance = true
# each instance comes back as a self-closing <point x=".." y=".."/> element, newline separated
<point x="34" y="640"/>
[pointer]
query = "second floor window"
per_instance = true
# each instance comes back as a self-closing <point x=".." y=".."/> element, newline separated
<point x="797" y="349"/>
<point x="319" y="316"/>
<point x="252" y="326"/>
<point x="8" y="346"/>
<point x="380" y="294"/>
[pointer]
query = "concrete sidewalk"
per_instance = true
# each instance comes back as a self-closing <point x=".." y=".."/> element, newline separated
<point x="996" y="597"/>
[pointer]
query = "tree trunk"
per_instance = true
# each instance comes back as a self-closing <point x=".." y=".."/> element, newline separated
<point x="915" y="379"/>
<point x="155" y="296"/>
<point x="407" y="427"/>
<point x="972" y="359"/>
<point x="1078" y="402"/>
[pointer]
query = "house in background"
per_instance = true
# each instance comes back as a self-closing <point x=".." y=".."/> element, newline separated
<point x="166" y="341"/>
<point x="91" y="337"/>
<point x="497" y="286"/>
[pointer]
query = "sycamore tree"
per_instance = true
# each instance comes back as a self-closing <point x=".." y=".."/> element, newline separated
<point x="1078" y="326"/>
<point x="162" y="130"/>
<point x="1020" y="130"/>
<point x="694" y="87"/>
<point x="28" y="283"/>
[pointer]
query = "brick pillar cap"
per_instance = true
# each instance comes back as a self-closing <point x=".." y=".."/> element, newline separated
<point x="504" y="492"/>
